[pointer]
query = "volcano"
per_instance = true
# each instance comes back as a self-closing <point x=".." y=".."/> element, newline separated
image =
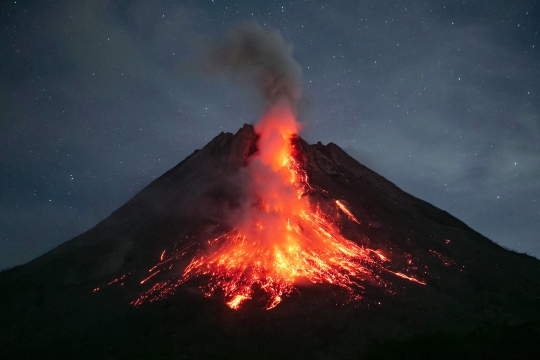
<point x="184" y="270"/>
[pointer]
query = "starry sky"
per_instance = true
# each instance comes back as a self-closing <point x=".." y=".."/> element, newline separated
<point x="100" y="97"/>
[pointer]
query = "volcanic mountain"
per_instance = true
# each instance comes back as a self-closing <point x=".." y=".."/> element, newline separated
<point x="152" y="280"/>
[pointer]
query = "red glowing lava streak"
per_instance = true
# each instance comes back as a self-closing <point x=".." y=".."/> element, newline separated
<point x="284" y="238"/>
<point x="280" y="238"/>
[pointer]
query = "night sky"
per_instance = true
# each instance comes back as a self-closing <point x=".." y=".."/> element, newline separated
<point x="100" y="97"/>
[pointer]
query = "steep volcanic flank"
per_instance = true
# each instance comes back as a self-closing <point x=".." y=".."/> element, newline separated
<point x="279" y="235"/>
<point x="418" y="270"/>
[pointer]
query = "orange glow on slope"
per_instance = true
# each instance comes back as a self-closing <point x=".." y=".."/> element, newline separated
<point x="408" y="278"/>
<point x="343" y="208"/>
<point x="282" y="239"/>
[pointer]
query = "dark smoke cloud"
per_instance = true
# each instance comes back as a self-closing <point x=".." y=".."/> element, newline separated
<point x="264" y="57"/>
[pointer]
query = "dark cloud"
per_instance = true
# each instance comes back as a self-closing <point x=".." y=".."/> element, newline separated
<point x="262" y="56"/>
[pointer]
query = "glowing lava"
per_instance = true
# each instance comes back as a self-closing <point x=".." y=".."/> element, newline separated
<point x="281" y="239"/>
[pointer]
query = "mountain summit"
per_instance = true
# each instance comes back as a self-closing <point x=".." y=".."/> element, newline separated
<point x="152" y="280"/>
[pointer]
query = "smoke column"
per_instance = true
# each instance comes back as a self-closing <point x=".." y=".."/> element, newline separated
<point x="264" y="57"/>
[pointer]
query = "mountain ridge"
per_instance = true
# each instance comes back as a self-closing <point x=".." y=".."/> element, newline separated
<point x="470" y="281"/>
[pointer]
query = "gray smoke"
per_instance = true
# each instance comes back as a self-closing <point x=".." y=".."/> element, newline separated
<point x="264" y="57"/>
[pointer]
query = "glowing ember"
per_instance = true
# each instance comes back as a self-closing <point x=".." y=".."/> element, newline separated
<point x="346" y="211"/>
<point x="445" y="260"/>
<point x="282" y="238"/>
<point x="408" y="278"/>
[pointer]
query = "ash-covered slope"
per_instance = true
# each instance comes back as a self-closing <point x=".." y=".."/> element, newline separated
<point x="49" y="308"/>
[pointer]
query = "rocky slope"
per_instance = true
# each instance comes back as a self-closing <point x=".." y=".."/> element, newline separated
<point x="49" y="309"/>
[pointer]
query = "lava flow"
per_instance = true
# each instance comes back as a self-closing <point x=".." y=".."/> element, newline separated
<point x="281" y="239"/>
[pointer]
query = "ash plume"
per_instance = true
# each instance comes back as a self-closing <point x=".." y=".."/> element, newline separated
<point x="264" y="57"/>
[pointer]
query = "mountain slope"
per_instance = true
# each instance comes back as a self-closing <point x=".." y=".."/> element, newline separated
<point x="50" y="309"/>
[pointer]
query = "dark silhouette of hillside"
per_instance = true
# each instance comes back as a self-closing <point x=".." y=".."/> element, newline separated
<point x="480" y="300"/>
